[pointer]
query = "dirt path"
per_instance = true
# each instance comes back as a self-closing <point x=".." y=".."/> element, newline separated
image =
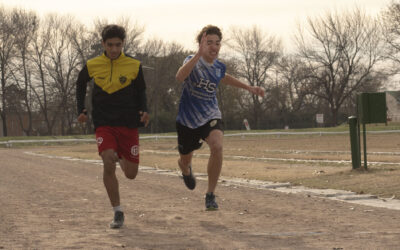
<point x="58" y="204"/>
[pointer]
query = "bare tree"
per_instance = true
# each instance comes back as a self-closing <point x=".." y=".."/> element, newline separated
<point x="391" y="26"/>
<point x="160" y="63"/>
<point x="7" y="52"/>
<point x="257" y="53"/>
<point x="26" y="24"/>
<point x="55" y="61"/>
<point x="87" y="44"/>
<point x="228" y="99"/>
<point x="290" y="97"/>
<point x="390" y="21"/>
<point x="62" y="68"/>
<point x="82" y="41"/>
<point x="292" y="77"/>
<point x="134" y="33"/>
<point x="40" y="77"/>
<point x="342" y="51"/>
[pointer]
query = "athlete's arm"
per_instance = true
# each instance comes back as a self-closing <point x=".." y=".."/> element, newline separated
<point x="184" y="71"/>
<point x="141" y="86"/>
<point x="230" y="80"/>
<point x="81" y="85"/>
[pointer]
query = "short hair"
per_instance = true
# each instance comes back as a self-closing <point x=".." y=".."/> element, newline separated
<point x="111" y="31"/>
<point x="209" y="30"/>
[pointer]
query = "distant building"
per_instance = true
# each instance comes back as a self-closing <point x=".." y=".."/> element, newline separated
<point x="393" y="106"/>
<point x="14" y="124"/>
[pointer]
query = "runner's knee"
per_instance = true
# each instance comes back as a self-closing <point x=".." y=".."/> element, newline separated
<point x="109" y="159"/>
<point x="109" y="170"/>
<point x="130" y="169"/>
<point x="215" y="141"/>
<point x="216" y="147"/>
<point x="131" y="174"/>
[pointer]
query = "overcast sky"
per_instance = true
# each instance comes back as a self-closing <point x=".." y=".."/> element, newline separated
<point x="180" y="20"/>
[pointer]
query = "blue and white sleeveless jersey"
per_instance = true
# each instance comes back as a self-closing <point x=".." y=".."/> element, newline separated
<point x="198" y="103"/>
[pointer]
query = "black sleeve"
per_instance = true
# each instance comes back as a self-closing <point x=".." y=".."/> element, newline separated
<point x="81" y="85"/>
<point x="141" y="89"/>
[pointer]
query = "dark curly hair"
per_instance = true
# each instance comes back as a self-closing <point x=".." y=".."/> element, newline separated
<point x="209" y="29"/>
<point x="111" y="31"/>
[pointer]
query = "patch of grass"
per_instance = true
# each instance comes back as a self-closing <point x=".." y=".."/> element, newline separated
<point x="380" y="181"/>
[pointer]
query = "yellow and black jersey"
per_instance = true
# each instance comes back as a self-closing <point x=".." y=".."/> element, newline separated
<point x="119" y="92"/>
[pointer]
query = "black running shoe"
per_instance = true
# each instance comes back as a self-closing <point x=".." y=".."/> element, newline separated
<point x="118" y="220"/>
<point x="190" y="180"/>
<point x="210" y="202"/>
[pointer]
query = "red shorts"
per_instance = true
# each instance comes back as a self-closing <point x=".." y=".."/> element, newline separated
<point x="125" y="141"/>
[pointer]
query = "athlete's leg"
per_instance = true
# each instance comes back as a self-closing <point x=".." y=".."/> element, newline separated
<point x="184" y="162"/>
<point x="130" y="168"/>
<point x="215" y="142"/>
<point x="109" y="178"/>
<point x="128" y="150"/>
<point x="188" y="141"/>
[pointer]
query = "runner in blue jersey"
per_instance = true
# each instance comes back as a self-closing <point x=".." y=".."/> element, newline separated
<point x="199" y="117"/>
<point x="199" y="103"/>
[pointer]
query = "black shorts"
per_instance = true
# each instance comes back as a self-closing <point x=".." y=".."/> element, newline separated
<point x="189" y="139"/>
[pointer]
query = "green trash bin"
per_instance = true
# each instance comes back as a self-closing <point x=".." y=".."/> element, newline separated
<point x="354" y="142"/>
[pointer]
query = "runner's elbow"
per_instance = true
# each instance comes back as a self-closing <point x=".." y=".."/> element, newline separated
<point x="179" y="77"/>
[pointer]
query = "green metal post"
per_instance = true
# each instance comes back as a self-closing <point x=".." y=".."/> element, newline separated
<point x="354" y="142"/>
<point x="365" y="146"/>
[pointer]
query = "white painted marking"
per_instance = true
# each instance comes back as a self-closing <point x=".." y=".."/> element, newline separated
<point x="332" y="194"/>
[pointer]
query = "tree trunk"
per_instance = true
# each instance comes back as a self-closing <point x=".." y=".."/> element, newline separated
<point x="3" y="101"/>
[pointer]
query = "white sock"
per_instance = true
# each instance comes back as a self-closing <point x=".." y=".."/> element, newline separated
<point x="117" y="208"/>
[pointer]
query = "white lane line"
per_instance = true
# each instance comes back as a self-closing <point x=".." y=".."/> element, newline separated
<point x="339" y="195"/>
<point x="239" y="157"/>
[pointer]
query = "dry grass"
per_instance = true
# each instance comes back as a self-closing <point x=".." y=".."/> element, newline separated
<point x="282" y="159"/>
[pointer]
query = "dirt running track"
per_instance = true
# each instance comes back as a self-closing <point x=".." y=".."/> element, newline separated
<point x="58" y="204"/>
